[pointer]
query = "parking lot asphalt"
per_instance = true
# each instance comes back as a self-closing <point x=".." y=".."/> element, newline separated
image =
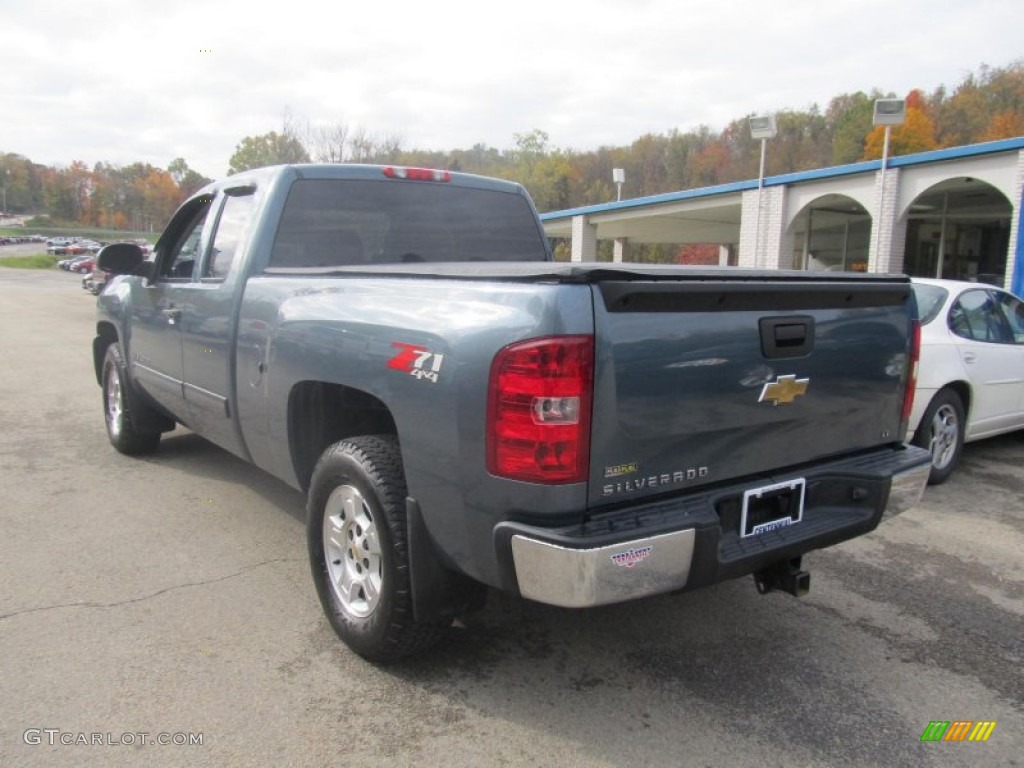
<point x="170" y="596"/>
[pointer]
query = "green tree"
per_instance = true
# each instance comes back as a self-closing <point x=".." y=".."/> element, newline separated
<point x="269" y="149"/>
<point x="22" y="182"/>
<point x="849" y="118"/>
<point x="188" y="180"/>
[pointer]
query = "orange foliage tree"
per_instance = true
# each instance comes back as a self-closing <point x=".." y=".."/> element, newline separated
<point x="1005" y="125"/>
<point x="917" y="134"/>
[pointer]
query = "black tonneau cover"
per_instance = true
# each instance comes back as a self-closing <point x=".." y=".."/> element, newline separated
<point x="576" y="272"/>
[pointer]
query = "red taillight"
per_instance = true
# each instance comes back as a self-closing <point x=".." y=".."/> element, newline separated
<point x="416" y="174"/>
<point x="915" y="357"/>
<point x="538" y="413"/>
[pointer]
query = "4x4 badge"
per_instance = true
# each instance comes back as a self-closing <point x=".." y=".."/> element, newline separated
<point x="784" y="390"/>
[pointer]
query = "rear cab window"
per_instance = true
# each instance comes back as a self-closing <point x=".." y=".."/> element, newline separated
<point x="351" y="222"/>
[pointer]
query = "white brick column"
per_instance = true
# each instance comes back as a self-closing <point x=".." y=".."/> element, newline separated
<point x="584" y="239"/>
<point x="1014" y="249"/>
<point x="888" y="236"/>
<point x="767" y="241"/>
<point x="621" y="250"/>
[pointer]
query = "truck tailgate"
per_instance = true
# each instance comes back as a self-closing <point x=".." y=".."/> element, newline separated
<point x="705" y="381"/>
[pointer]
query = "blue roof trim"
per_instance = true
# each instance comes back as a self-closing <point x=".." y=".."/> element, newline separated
<point x="640" y="202"/>
<point x="823" y="173"/>
<point x="868" y="166"/>
<point x="955" y="153"/>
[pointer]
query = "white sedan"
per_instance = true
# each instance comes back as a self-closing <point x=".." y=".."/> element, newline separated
<point x="970" y="381"/>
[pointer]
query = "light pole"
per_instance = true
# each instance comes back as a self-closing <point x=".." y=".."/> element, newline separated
<point x="888" y="112"/>
<point x="619" y="177"/>
<point x="762" y="127"/>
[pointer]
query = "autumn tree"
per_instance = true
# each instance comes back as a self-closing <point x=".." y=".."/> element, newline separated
<point x="917" y="134"/>
<point x="160" y="197"/>
<point x="1005" y="125"/>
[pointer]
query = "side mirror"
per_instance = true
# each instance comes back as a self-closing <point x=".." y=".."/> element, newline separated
<point x="146" y="270"/>
<point x="119" y="258"/>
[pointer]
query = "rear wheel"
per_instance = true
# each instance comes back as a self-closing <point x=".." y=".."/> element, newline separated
<point x="356" y="532"/>
<point x="941" y="432"/>
<point x="121" y="417"/>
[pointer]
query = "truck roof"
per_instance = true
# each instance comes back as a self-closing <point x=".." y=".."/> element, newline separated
<point x="359" y="171"/>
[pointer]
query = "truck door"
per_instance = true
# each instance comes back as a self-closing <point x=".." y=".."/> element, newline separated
<point x="155" y="351"/>
<point x="208" y="324"/>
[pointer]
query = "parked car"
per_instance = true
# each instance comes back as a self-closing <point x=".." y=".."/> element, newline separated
<point x="970" y="382"/>
<point x="85" y="264"/>
<point x="70" y="264"/>
<point x="67" y="263"/>
<point x="96" y="281"/>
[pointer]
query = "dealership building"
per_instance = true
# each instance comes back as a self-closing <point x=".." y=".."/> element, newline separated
<point x="952" y="213"/>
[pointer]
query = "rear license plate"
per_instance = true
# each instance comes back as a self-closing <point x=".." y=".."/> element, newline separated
<point x="772" y="507"/>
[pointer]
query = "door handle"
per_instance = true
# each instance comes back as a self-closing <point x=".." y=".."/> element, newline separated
<point x="969" y="357"/>
<point x="172" y="313"/>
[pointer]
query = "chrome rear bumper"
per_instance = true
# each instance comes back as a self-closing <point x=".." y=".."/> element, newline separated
<point x="906" y="490"/>
<point x="558" y="568"/>
<point x="576" y="578"/>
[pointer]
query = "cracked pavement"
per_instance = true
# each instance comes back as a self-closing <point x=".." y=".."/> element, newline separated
<point x="172" y="594"/>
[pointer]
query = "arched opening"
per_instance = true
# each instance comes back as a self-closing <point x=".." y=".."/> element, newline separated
<point x="832" y="233"/>
<point x="959" y="229"/>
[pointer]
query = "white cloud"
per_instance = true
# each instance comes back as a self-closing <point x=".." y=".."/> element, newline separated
<point x="125" y="81"/>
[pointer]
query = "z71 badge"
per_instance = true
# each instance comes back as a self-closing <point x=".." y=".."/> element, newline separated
<point x="417" y="361"/>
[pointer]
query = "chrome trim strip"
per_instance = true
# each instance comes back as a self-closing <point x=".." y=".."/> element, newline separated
<point x="156" y="374"/>
<point x="906" y="490"/>
<point x="577" y="578"/>
<point x="219" y="400"/>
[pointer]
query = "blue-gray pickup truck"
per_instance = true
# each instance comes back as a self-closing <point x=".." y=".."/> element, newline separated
<point x="465" y="412"/>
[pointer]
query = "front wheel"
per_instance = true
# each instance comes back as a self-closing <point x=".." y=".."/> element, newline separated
<point x="941" y="432"/>
<point x="356" y="532"/>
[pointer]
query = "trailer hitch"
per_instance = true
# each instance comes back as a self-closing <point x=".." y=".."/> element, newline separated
<point x="785" y="576"/>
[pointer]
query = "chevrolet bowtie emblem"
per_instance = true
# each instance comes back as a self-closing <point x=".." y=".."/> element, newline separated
<point x="784" y="390"/>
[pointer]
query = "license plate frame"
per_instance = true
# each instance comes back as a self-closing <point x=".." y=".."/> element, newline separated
<point x="772" y="507"/>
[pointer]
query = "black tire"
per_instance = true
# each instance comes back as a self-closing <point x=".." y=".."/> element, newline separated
<point x="122" y="412"/>
<point x="356" y="531"/>
<point x="941" y="432"/>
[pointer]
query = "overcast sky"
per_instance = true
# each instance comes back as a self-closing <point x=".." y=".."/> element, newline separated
<point x="135" y="80"/>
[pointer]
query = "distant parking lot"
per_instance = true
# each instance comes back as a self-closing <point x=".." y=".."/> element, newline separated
<point x="21" y="249"/>
<point x="171" y="596"/>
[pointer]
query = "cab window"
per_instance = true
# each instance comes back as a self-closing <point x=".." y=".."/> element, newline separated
<point x="182" y="244"/>
<point x="231" y="229"/>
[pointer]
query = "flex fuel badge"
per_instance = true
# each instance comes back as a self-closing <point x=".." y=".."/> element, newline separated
<point x="417" y="361"/>
<point x="621" y="469"/>
<point x="632" y="557"/>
